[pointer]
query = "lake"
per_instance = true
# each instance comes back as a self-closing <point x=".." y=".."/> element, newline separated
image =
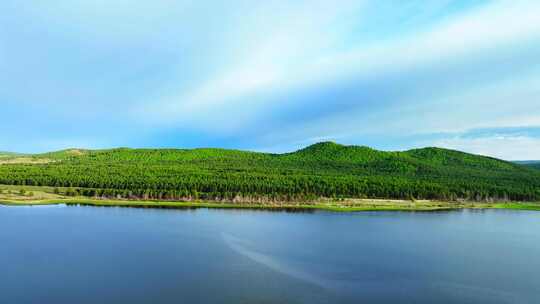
<point x="121" y="255"/>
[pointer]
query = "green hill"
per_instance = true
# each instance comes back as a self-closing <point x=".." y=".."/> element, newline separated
<point x="321" y="170"/>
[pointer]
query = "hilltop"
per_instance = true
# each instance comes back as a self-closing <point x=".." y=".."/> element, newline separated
<point x="323" y="170"/>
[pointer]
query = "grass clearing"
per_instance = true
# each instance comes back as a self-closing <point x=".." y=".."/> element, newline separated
<point x="22" y="160"/>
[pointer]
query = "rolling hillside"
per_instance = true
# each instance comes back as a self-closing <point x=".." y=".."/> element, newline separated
<point x="321" y="170"/>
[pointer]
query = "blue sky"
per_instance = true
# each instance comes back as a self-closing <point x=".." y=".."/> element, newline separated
<point x="271" y="75"/>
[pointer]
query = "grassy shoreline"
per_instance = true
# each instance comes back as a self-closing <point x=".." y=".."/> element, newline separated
<point x="11" y="195"/>
<point x="366" y="205"/>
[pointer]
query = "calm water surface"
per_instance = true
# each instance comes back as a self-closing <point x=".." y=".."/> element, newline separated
<point x="114" y="255"/>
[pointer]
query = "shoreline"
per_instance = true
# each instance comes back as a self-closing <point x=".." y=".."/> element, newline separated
<point x="366" y="205"/>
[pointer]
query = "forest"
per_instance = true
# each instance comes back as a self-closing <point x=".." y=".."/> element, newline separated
<point x="323" y="170"/>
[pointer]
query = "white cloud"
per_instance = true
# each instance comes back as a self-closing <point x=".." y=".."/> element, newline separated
<point x="484" y="29"/>
<point x="300" y="54"/>
<point x="509" y="103"/>
<point x="500" y="146"/>
<point x="503" y="103"/>
<point x="267" y="62"/>
<point x="228" y="69"/>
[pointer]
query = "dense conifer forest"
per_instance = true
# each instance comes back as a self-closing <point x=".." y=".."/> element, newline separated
<point x="322" y="170"/>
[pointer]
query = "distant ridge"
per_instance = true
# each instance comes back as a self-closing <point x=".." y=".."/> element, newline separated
<point x="527" y="162"/>
<point x="325" y="169"/>
<point x="8" y="153"/>
<point x="535" y="164"/>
